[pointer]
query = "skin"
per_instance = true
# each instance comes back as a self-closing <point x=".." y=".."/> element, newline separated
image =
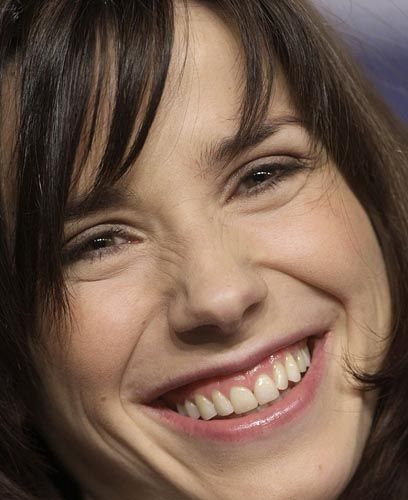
<point x="207" y="270"/>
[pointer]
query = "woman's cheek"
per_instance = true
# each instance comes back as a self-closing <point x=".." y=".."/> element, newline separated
<point x="109" y="317"/>
<point x="330" y="245"/>
<point x="325" y="240"/>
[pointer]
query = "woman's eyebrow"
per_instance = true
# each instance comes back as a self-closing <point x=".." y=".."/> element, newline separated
<point x="116" y="197"/>
<point x="227" y="148"/>
<point x="108" y="198"/>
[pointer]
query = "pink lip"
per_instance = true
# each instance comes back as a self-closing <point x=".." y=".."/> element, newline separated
<point x="255" y="425"/>
<point x="238" y="363"/>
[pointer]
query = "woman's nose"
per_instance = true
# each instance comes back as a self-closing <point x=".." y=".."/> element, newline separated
<point x="216" y="290"/>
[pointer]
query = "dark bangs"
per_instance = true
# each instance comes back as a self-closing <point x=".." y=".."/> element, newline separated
<point x="69" y="55"/>
<point x="65" y="55"/>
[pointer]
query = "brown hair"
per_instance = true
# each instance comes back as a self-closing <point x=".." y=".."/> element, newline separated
<point x="52" y="47"/>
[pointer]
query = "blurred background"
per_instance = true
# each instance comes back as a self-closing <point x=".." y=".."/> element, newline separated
<point x="377" y="33"/>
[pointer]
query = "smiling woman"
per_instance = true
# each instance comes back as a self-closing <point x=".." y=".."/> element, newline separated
<point x="202" y="249"/>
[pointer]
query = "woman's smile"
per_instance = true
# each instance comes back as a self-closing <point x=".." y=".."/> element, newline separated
<point x="249" y="404"/>
<point x="241" y="391"/>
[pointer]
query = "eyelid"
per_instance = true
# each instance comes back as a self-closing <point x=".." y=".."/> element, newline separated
<point x="276" y="159"/>
<point x="290" y="163"/>
<point x="73" y="249"/>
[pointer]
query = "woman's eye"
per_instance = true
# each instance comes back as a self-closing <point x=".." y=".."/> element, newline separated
<point x="267" y="176"/>
<point x="97" y="245"/>
<point x="105" y="242"/>
<point x="256" y="178"/>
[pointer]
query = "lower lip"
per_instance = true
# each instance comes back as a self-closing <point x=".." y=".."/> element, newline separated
<point x="254" y="425"/>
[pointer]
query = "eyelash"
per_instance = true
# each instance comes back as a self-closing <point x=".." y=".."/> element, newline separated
<point x="276" y="173"/>
<point x="78" y="251"/>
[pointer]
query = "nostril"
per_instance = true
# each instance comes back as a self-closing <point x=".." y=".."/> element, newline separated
<point x="208" y="334"/>
<point x="221" y="314"/>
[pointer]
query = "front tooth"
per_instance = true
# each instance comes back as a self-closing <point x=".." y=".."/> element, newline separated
<point x="300" y="361"/>
<point x="280" y="376"/>
<point x="222" y="404"/>
<point x="292" y="368"/>
<point x="242" y="399"/>
<point x="191" y="409"/>
<point x="306" y="355"/>
<point x="181" y="409"/>
<point x="265" y="389"/>
<point x="205" y="407"/>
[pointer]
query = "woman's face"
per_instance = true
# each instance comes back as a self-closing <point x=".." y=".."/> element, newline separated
<point x="200" y="273"/>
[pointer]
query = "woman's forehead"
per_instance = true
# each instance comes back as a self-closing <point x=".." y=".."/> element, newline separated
<point x="199" y="116"/>
<point x="203" y="97"/>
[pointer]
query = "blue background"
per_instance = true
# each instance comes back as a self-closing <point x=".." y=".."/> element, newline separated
<point x="377" y="34"/>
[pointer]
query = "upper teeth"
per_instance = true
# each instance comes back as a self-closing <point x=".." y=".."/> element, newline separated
<point x="241" y="399"/>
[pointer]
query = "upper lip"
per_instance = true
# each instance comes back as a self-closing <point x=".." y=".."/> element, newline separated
<point x="240" y="361"/>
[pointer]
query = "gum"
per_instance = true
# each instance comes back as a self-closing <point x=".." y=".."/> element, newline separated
<point x="224" y="384"/>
